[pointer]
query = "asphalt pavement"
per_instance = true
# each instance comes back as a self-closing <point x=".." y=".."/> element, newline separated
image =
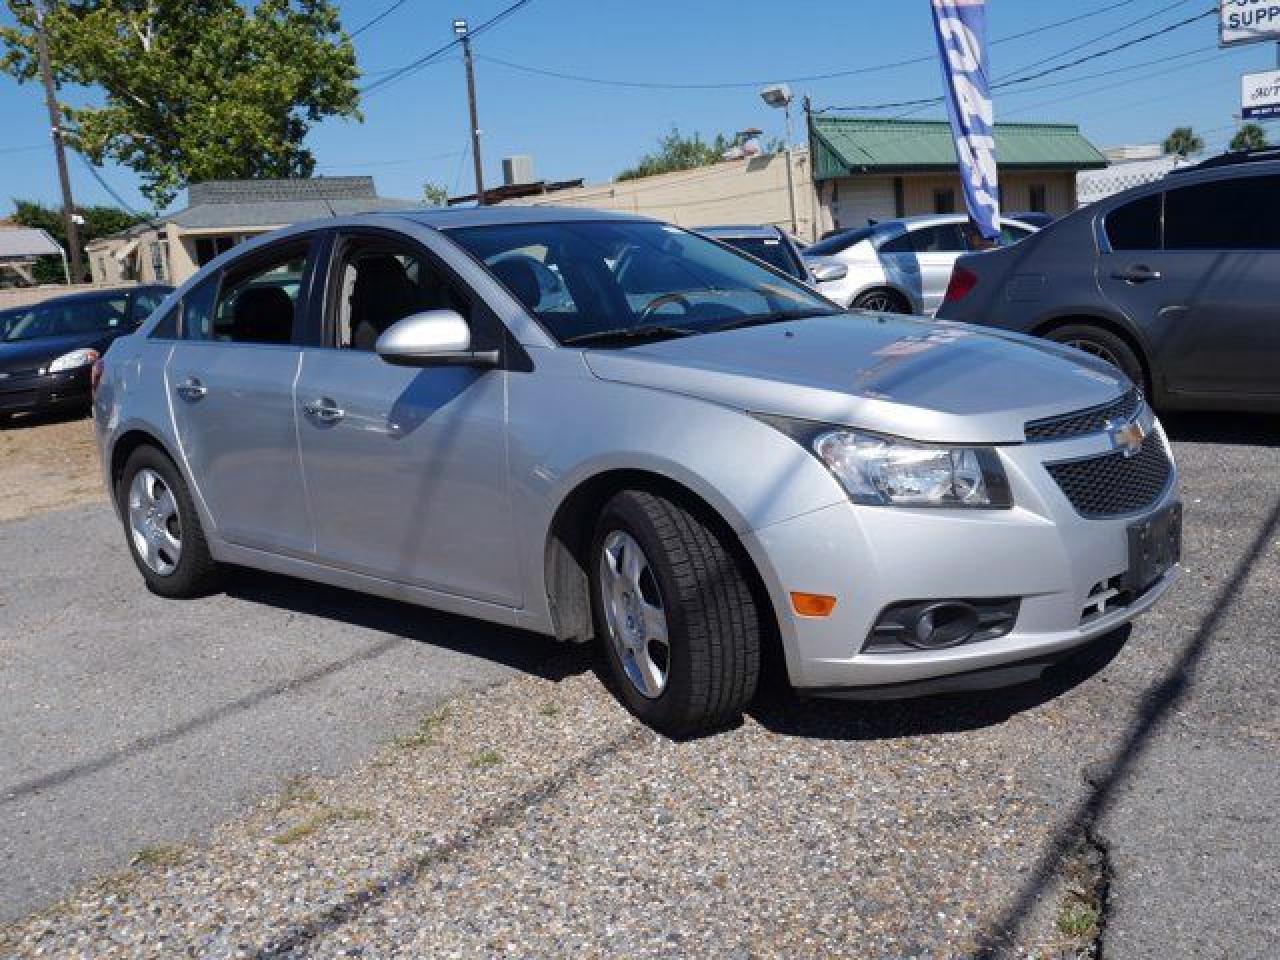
<point x="129" y="721"/>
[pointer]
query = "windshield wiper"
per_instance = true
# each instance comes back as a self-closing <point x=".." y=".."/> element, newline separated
<point x="647" y="331"/>
<point x="760" y="319"/>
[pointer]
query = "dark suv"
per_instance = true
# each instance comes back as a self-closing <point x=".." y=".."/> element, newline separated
<point x="48" y="349"/>
<point x="1176" y="282"/>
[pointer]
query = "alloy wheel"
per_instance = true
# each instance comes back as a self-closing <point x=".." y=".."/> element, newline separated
<point x="634" y="614"/>
<point x="1095" y="349"/>
<point x="154" y="524"/>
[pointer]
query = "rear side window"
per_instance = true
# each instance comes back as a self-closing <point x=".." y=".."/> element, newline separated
<point x="772" y="251"/>
<point x="1236" y="214"/>
<point x="944" y="238"/>
<point x="1136" y="225"/>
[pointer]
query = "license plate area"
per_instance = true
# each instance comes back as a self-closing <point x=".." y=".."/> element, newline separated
<point x="1155" y="545"/>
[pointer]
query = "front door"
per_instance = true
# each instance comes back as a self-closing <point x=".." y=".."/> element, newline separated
<point x="405" y="468"/>
<point x="230" y="380"/>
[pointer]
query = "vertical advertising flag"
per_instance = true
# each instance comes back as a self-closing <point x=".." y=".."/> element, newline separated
<point x="961" y="30"/>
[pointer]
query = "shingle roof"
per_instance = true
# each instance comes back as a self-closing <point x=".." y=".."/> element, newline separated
<point x="849" y="145"/>
<point x="239" y="191"/>
<point x="23" y="243"/>
<point x="277" y="213"/>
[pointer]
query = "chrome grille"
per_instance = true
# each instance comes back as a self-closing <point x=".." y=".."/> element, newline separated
<point x="1114" y="484"/>
<point x="1084" y="422"/>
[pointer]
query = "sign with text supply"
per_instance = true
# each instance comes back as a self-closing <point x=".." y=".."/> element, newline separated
<point x="1248" y="21"/>
<point x="1260" y="95"/>
<point x="960" y="27"/>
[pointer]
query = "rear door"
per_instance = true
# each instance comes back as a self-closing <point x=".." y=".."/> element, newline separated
<point x="921" y="261"/>
<point x="1197" y="269"/>
<point x="231" y="379"/>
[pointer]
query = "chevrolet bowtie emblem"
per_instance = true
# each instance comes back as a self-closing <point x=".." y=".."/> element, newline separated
<point x="1127" y="437"/>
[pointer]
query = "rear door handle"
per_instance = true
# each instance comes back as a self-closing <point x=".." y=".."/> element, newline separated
<point x="191" y="390"/>
<point x="1136" y="274"/>
<point x="324" y="410"/>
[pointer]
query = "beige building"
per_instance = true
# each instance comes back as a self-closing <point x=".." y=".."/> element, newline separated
<point x="221" y="213"/>
<point x="750" y="190"/>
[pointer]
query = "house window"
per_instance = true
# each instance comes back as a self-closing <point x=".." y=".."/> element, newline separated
<point x="944" y="200"/>
<point x="159" y="261"/>
<point x="1037" y="201"/>
<point x="208" y="248"/>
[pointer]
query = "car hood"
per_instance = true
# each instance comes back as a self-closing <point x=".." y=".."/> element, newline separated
<point x="30" y="354"/>
<point x="946" y="383"/>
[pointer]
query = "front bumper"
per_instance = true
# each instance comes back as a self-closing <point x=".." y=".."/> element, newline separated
<point x="39" y="392"/>
<point x="1041" y="551"/>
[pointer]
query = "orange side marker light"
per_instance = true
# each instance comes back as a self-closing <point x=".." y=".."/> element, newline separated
<point x="812" y="604"/>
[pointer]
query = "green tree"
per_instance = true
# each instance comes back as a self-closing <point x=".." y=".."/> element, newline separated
<point x="193" y="89"/>
<point x="678" y="152"/>
<point x="1251" y="136"/>
<point x="98" y="222"/>
<point x="1183" y="141"/>
<point x="434" y="195"/>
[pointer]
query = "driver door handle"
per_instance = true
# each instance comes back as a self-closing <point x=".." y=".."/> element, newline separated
<point x="1138" y="273"/>
<point x="324" y="410"/>
<point x="191" y="390"/>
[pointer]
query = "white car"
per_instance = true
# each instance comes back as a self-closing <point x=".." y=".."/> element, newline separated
<point x="902" y="266"/>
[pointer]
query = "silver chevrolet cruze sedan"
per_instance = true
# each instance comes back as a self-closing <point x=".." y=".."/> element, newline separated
<point x="601" y="426"/>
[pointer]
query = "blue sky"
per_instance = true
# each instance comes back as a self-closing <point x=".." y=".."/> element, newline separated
<point x="416" y="128"/>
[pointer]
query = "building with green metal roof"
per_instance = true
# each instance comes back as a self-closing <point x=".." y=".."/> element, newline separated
<point x="877" y="169"/>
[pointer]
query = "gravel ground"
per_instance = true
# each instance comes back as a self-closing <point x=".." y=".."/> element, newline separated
<point x="1124" y="802"/>
<point x="47" y="463"/>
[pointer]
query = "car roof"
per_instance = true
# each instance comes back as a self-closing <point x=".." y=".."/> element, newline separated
<point x="449" y="218"/>
<point x="742" y="231"/>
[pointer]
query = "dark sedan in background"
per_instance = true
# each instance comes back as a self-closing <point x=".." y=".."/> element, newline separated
<point x="48" y="349"/>
<point x="1175" y="282"/>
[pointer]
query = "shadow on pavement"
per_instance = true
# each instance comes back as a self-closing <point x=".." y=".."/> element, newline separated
<point x="521" y="650"/>
<point x="780" y="712"/>
<point x="1253" y="429"/>
<point x="40" y="418"/>
<point x="1157" y="703"/>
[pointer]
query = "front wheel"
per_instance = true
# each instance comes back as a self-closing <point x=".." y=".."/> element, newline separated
<point x="163" y="528"/>
<point x="675" y="614"/>
<point x="880" y="301"/>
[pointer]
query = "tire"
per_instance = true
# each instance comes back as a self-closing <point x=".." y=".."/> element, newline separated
<point x="881" y="300"/>
<point x="695" y="584"/>
<point x="182" y="572"/>
<point x="1105" y="345"/>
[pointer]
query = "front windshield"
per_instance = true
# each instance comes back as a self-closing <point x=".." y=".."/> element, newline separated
<point x="591" y="280"/>
<point x="65" y="319"/>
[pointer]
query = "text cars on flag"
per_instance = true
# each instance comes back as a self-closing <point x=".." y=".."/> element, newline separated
<point x="961" y="29"/>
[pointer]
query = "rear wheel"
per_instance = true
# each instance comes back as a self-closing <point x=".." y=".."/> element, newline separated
<point x="675" y="615"/>
<point x="881" y="301"/>
<point x="1105" y="345"/>
<point x="163" y="528"/>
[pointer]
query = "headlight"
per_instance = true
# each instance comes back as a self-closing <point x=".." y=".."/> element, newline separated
<point x="887" y="471"/>
<point x="76" y="358"/>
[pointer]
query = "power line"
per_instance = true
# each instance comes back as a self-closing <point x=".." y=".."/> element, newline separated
<point x="377" y="19"/>
<point x="810" y="78"/>
<point x="93" y="171"/>
<point x="1015" y="81"/>
<point x="414" y="65"/>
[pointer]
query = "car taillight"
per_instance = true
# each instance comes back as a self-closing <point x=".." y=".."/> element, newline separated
<point x="962" y="283"/>
<point x="95" y="376"/>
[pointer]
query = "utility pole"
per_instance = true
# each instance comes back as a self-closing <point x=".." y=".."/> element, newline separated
<point x="461" y="31"/>
<point x="59" y="151"/>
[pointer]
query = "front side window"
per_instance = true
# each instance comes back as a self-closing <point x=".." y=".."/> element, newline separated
<point x="1235" y="214"/>
<point x="67" y="319"/>
<point x="1135" y="225"/>
<point x="383" y="283"/>
<point x="943" y="238"/>
<point x="591" y="280"/>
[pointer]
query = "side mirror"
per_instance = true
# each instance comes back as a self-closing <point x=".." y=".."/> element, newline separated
<point x="432" y="338"/>
<point x="826" y="271"/>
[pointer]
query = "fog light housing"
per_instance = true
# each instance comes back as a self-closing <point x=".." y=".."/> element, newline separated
<point x="941" y="624"/>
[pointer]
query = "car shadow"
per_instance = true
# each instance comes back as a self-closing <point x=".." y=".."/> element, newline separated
<point x="40" y="418"/>
<point x="1246" y="429"/>
<point x="522" y="650"/>
<point x="782" y="712"/>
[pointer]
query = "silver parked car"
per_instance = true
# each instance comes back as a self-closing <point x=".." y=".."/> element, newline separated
<point x="675" y="450"/>
<point x="902" y="266"/>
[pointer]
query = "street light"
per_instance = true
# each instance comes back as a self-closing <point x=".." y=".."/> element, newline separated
<point x="779" y="95"/>
<point x="459" y="28"/>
